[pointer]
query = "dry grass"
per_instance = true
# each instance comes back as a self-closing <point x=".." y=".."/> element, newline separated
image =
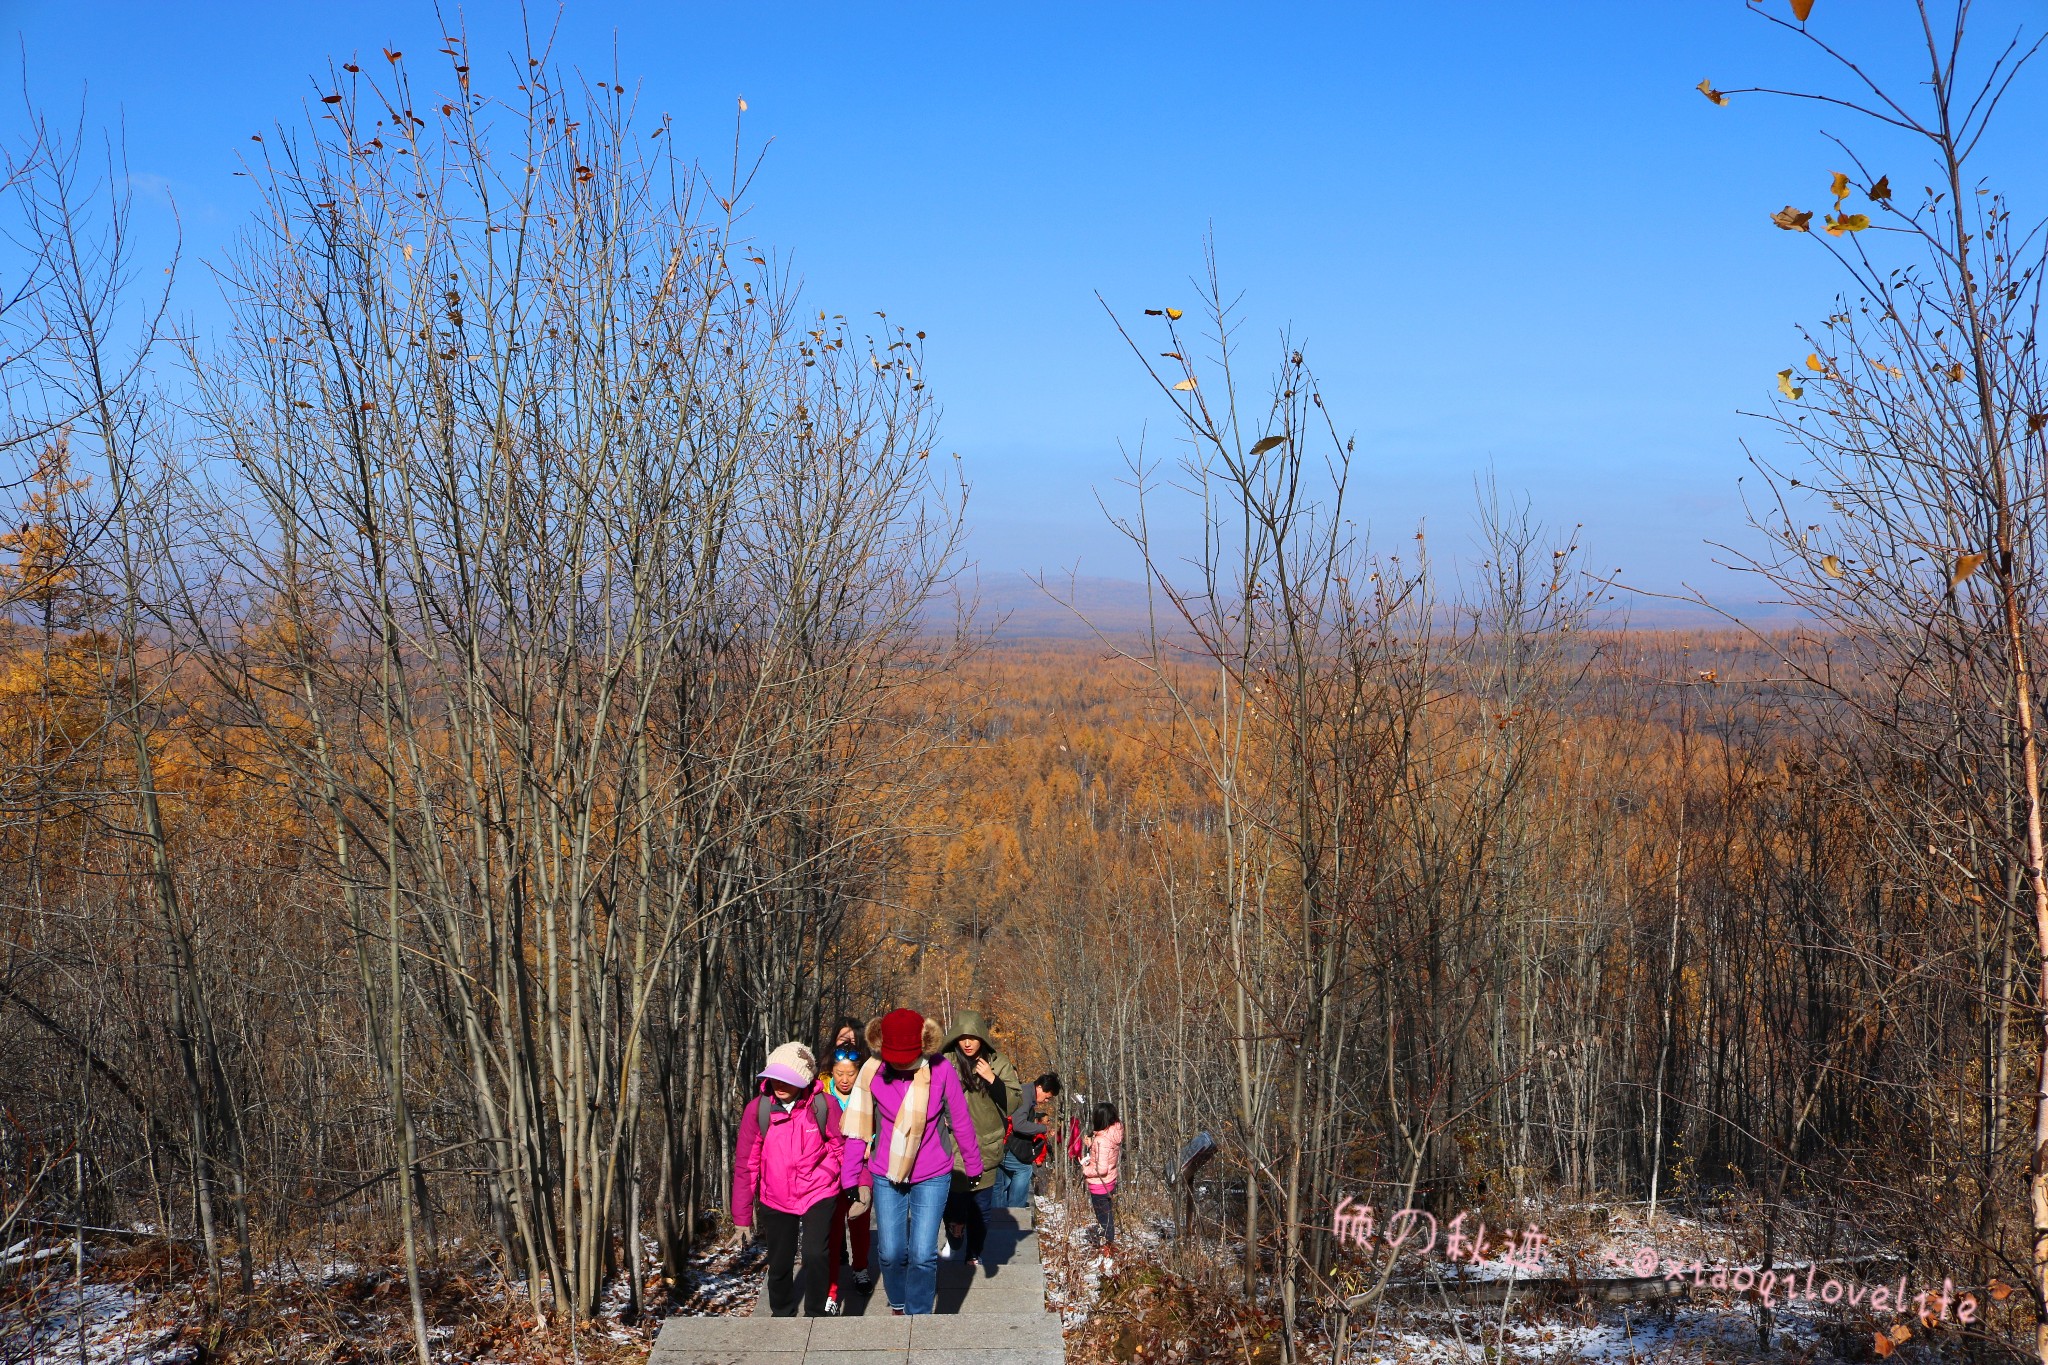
<point x="357" y="1316"/>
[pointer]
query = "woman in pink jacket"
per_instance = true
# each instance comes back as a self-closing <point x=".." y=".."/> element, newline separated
<point x="1099" y="1168"/>
<point x="785" y="1179"/>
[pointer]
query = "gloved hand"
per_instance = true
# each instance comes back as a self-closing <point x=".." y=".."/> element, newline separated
<point x="863" y="1200"/>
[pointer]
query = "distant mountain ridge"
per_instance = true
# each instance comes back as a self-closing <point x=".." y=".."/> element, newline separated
<point x="1019" y="609"/>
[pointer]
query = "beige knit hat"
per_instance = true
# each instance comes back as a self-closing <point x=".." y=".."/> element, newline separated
<point x="792" y="1064"/>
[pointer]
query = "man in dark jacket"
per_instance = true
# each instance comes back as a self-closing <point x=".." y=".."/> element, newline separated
<point x="1027" y="1144"/>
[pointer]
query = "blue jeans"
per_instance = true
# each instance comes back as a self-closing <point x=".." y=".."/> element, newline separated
<point x="1013" y="1186"/>
<point x="907" y="1239"/>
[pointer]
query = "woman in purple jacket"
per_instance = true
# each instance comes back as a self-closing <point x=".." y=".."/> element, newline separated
<point x="900" y="1125"/>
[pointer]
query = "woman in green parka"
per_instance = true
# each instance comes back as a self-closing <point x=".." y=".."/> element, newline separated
<point x="990" y="1080"/>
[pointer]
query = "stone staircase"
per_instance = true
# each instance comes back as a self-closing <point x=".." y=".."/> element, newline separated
<point x="992" y="1315"/>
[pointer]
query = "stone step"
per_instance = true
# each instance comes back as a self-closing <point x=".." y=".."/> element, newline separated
<point x="988" y="1339"/>
<point x="993" y="1314"/>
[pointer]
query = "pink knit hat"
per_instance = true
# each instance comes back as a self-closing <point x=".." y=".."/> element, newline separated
<point x="792" y="1064"/>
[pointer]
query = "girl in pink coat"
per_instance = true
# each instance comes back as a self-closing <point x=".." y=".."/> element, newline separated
<point x="785" y="1178"/>
<point x="1099" y="1168"/>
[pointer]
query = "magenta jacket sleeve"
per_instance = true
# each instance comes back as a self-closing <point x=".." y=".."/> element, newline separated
<point x="955" y="1098"/>
<point x="836" y="1144"/>
<point x="853" y="1161"/>
<point x="746" y="1167"/>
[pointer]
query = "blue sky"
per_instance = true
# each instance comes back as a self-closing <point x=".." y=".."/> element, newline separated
<point x="1512" y="236"/>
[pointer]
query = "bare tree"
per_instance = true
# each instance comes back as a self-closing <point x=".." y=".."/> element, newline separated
<point x="587" y="572"/>
<point x="1911" y="527"/>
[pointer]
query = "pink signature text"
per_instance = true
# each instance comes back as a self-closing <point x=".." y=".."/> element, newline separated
<point x="1465" y="1237"/>
<point x="1929" y="1305"/>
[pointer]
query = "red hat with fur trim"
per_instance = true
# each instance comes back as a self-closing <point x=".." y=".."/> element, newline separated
<point x="902" y="1037"/>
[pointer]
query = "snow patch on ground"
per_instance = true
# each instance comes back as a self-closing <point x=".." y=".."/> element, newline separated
<point x="105" y="1316"/>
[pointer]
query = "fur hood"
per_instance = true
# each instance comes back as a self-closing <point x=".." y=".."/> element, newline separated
<point x="933" y="1036"/>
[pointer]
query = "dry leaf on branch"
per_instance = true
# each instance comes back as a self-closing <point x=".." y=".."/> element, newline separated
<point x="1801" y="8"/>
<point x="1707" y="88"/>
<point x="1187" y="383"/>
<point x="1831" y="566"/>
<point x="1262" y="446"/>
<point x="1793" y="220"/>
<point x="1787" y="387"/>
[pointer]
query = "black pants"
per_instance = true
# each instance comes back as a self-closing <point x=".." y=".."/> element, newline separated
<point x="965" y="1205"/>
<point x="1105" y="1214"/>
<point x="780" y="1232"/>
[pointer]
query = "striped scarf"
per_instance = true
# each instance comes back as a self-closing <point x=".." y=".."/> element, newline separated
<point x="906" y="1134"/>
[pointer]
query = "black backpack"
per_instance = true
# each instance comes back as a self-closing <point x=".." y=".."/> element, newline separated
<point x="1039" y="1147"/>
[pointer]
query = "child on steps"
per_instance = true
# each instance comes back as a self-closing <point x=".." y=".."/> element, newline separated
<point x="1099" y="1168"/>
<point x="852" y="1221"/>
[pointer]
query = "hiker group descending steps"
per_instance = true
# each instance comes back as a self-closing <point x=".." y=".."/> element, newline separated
<point x="912" y="1129"/>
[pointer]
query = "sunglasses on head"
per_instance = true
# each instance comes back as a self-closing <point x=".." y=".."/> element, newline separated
<point x="846" y="1054"/>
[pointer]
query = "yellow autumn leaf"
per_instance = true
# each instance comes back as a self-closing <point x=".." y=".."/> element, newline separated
<point x="1813" y="362"/>
<point x="1965" y="566"/>
<point x="1707" y="88"/>
<point x="1186" y="384"/>
<point x="1831" y="566"/>
<point x="1787" y="387"/>
<point x="743" y="104"/>
<point x="1840" y="187"/>
<point x="1847" y="222"/>
<point x="1173" y="314"/>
